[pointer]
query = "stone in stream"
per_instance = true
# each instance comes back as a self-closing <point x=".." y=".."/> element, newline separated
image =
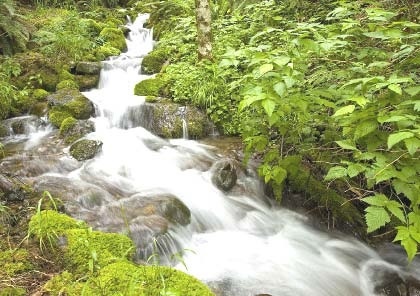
<point x="224" y="174"/>
<point x="85" y="149"/>
<point x="89" y="68"/>
<point x="72" y="129"/>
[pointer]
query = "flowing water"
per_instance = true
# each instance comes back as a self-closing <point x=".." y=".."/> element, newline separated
<point x="237" y="242"/>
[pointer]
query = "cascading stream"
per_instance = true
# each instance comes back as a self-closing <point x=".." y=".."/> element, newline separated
<point x="236" y="242"/>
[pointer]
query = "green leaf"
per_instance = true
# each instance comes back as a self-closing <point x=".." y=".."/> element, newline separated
<point x="347" y="144"/>
<point x="379" y="200"/>
<point x="414" y="233"/>
<point x="265" y="68"/>
<point x="395" y="208"/>
<point x="412" y="91"/>
<point x="279" y="174"/>
<point x="269" y="106"/>
<point x="335" y="173"/>
<point x="402" y="233"/>
<point x="377" y="35"/>
<point x="394" y="118"/>
<point x="280" y="88"/>
<point x="282" y="60"/>
<point x="395" y="88"/>
<point x="364" y="128"/>
<point x="361" y="101"/>
<point x="355" y="169"/>
<point x="412" y="145"/>
<point x="410" y="246"/>
<point x="398" y="137"/>
<point x="376" y="217"/>
<point x="344" y="110"/>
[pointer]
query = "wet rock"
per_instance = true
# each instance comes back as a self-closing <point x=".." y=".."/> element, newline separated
<point x="167" y="120"/>
<point x="88" y="68"/>
<point x="22" y="125"/>
<point x="4" y="131"/>
<point x="224" y="174"/>
<point x="72" y="130"/>
<point x="11" y="189"/>
<point x="85" y="149"/>
<point x="87" y="82"/>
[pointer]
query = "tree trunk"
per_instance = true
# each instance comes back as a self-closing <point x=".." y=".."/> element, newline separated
<point x="204" y="36"/>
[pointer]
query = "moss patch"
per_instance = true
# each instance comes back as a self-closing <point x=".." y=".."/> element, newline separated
<point x="66" y="125"/>
<point x="12" y="291"/>
<point x="149" y="87"/>
<point x="114" y="38"/>
<point x="154" y="61"/>
<point x="71" y="84"/>
<point x="14" y="262"/>
<point x="39" y="94"/>
<point x="56" y="117"/>
<point x="85" y="149"/>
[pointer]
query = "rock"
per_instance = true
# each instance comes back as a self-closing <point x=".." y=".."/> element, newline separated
<point x="224" y="174"/>
<point x="11" y="189"/>
<point x="18" y="127"/>
<point x="153" y="62"/>
<point x="22" y="124"/>
<point x="4" y="131"/>
<point x="149" y="87"/>
<point x="88" y="68"/>
<point x="166" y="120"/>
<point x="68" y="103"/>
<point x="85" y="149"/>
<point x="114" y="37"/>
<point x="87" y="82"/>
<point x="72" y="130"/>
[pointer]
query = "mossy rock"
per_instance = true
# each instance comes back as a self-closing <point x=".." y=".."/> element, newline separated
<point x="4" y="131"/>
<point x="87" y="82"/>
<point x="106" y="51"/>
<point x="150" y="87"/>
<point x="317" y="195"/>
<point x="108" y="247"/>
<point x="14" y="262"/>
<point x="126" y="278"/>
<point x="65" y="75"/>
<point x="72" y="129"/>
<point x="39" y="109"/>
<point x="114" y="37"/>
<point x="85" y="149"/>
<point x="56" y="117"/>
<point x="153" y="62"/>
<point x="88" y="68"/>
<point x="49" y="224"/>
<point x="39" y="94"/>
<point x="69" y="84"/>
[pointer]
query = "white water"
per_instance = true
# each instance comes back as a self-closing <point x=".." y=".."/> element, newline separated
<point x="237" y="242"/>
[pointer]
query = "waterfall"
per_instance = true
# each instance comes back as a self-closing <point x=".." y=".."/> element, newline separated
<point x="234" y="241"/>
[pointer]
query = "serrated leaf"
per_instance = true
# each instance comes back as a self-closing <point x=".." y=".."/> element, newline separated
<point x="282" y="60"/>
<point x="394" y="118"/>
<point x="355" y="169"/>
<point x="395" y="88"/>
<point x="269" y="106"/>
<point x="347" y="144"/>
<point x="335" y="173"/>
<point x="280" y="88"/>
<point x="414" y="233"/>
<point x="385" y="174"/>
<point x="395" y="208"/>
<point x="410" y="246"/>
<point x="402" y="233"/>
<point x="412" y="145"/>
<point x="376" y="217"/>
<point x="344" y="110"/>
<point x="364" y="128"/>
<point x="398" y="137"/>
<point x="279" y="175"/>
<point x="377" y="35"/>
<point x="379" y="200"/>
<point x="265" y="68"/>
<point x="361" y="101"/>
<point x="412" y="91"/>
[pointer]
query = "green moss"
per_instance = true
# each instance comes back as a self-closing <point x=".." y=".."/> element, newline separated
<point x="125" y="278"/>
<point x="114" y="38"/>
<point x="80" y="108"/>
<point x="154" y="61"/>
<point x="99" y="249"/>
<point x="63" y="284"/>
<point x="66" y="125"/>
<point x="69" y="84"/>
<point x="149" y="87"/>
<point x="57" y="116"/>
<point x="151" y="99"/>
<point x="14" y="262"/>
<point x="105" y="51"/>
<point x="48" y="224"/>
<point x="39" y="109"/>
<point x="4" y="131"/>
<point x="85" y="149"/>
<point x="12" y="291"/>
<point x="39" y="94"/>
<point x="65" y="75"/>
<point x="300" y="180"/>
<point x="49" y="79"/>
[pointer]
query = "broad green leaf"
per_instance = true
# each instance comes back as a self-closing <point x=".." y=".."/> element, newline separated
<point x="412" y="145"/>
<point x="395" y="208"/>
<point x="410" y="246"/>
<point x="361" y="101"/>
<point x="402" y="233"/>
<point x="335" y="173"/>
<point x="282" y="60"/>
<point x="385" y="174"/>
<point x="414" y="219"/>
<point x="364" y="128"/>
<point x="249" y="100"/>
<point x="344" y="110"/>
<point x="290" y="81"/>
<point x="265" y="68"/>
<point x="379" y="200"/>
<point x="379" y="65"/>
<point x="394" y="118"/>
<point x="376" y="34"/>
<point x="412" y="91"/>
<point x="347" y="144"/>
<point x="414" y="233"/>
<point x="355" y="169"/>
<point x="280" y="88"/>
<point x="376" y="217"/>
<point x="273" y="119"/>
<point x="269" y="106"/>
<point x="395" y="88"/>
<point x="398" y="137"/>
<point x="279" y="175"/>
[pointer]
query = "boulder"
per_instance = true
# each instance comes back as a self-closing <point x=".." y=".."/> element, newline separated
<point x="11" y="189"/>
<point x="72" y="129"/>
<point x="224" y="174"/>
<point x="85" y="149"/>
<point x="87" y="82"/>
<point x="88" y="68"/>
<point x="167" y="120"/>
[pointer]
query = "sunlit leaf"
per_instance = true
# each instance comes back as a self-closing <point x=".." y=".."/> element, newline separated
<point x="398" y="137"/>
<point x="376" y="217"/>
<point x="265" y="68"/>
<point x="335" y="173"/>
<point x="269" y="106"/>
<point x="344" y="110"/>
<point x="376" y="200"/>
<point x="395" y="88"/>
